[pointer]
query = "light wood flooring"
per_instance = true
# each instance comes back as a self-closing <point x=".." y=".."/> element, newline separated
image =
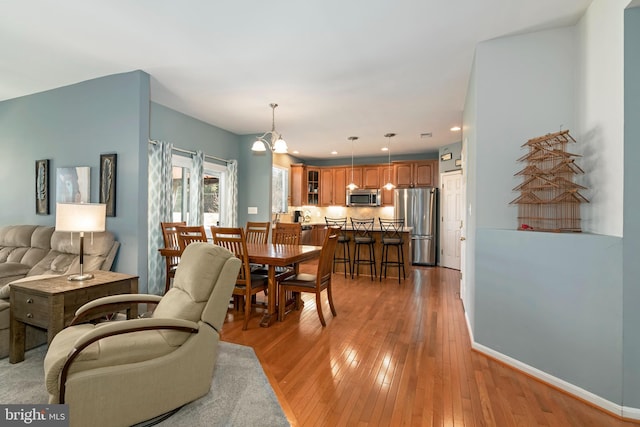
<point x="398" y="355"/>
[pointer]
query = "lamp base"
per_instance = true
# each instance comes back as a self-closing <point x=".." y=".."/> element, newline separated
<point x="80" y="277"/>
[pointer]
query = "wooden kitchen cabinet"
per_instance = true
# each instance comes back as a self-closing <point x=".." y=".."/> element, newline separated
<point x="386" y="173"/>
<point x="298" y="192"/>
<point x="318" y="233"/>
<point x="415" y="174"/>
<point x="357" y="176"/>
<point x="371" y="177"/>
<point x="313" y="186"/>
<point x="333" y="186"/>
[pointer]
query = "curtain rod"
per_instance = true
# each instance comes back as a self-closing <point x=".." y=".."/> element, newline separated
<point x="182" y="150"/>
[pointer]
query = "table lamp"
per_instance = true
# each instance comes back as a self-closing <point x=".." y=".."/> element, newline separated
<point x="81" y="218"/>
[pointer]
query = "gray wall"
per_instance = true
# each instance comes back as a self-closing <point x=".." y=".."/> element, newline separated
<point x="525" y="90"/>
<point x="631" y="241"/>
<point x="551" y="301"/>
<point x="450" y="165"/>
<point x="192" y="134"/>
<point x="254" y="182"/>
<point x="72" y="126"/>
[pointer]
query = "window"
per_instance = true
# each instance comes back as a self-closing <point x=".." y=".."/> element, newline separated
<point x="181" y="167"/>
<point x="213" y="178"/>
<point x="279" y="189"/>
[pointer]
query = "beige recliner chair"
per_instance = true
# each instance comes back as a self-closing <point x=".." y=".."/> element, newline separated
<point x="124" y="372"/>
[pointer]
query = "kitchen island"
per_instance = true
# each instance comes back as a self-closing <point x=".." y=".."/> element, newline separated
<point x="316" y="237"/>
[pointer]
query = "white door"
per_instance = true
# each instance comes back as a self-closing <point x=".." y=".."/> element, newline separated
<point x="451" y="219"/>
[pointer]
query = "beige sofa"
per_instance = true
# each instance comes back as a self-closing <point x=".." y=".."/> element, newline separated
<point x="29" y="252"/>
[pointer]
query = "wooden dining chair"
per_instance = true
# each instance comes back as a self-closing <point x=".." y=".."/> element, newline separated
<point x="189" y="234"/>
<point x="171" y="251"/>
<point x="303" y="282"/>
<point x="257" y="232"/>
<point x="247" y="284"/>
<point x="287" y="233"/>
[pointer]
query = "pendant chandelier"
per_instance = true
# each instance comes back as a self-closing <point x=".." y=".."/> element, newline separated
<point x="352" y="185"/>
<point x="389" y="185"/>
<point x="277" y="144"/>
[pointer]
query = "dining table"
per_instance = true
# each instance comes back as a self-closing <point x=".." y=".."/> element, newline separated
<point x="277" y="255"/>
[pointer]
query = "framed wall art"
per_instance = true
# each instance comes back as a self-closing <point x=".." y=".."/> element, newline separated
<point x="108" y="182"/>
<point x="73" y="184"/>
<point x="42" y="187"/>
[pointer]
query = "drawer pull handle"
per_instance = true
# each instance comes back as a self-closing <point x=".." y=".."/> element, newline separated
<point x="30" y="301"/>
<point x="29" y="316"/>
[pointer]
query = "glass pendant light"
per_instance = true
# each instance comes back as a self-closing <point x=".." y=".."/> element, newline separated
<point x="389" y="185"/>
<point x="352" y="185"/>
<point x="277" y="144"/>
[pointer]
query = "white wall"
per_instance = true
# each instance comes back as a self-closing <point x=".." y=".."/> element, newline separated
<point x="599" y="114"/>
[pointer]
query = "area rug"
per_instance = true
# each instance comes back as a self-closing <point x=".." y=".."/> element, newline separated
<point x="240" y="394"/>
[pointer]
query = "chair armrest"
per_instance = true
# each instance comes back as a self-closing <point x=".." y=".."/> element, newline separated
<point x="119" y="328"/>
<point x="114" y="302"/>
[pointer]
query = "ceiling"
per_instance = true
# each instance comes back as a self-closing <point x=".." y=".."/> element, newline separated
<point x="336" y="68"/>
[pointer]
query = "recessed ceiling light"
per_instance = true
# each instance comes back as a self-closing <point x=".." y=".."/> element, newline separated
<point x="334" y="152"/>
<point x="455" y="129"/>
<point x="296" y="152"/>
<point x="385" y="149"/>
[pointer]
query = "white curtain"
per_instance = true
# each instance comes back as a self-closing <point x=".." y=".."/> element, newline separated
<point x="196" y="190"/>
<point x="230" y="208"/>
<point x="159" y="210"/>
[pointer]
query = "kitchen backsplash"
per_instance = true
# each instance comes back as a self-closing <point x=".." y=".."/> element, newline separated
<point x="317" y="214"/>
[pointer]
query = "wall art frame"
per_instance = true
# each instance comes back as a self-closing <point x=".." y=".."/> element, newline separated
<point x="108" y="169"/>
<point x="42" y="187"/>
<point x="73" y="184"/>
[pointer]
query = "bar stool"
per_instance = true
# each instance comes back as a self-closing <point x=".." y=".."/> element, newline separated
<point x="362" y="228"/>
<point x="392" y="236"/>
<point x="343" y="241"/>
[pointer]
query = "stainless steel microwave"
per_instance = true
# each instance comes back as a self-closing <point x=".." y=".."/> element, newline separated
<point x="363" y="197"/>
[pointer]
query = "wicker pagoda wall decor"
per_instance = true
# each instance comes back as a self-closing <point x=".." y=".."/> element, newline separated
<point x="549" y="199"/>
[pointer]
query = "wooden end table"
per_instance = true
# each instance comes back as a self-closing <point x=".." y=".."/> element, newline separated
<point x="51" y="304"/>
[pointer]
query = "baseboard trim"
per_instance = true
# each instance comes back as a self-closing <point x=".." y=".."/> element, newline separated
<point x="631" y="414"/>
<point x="624" y="413"/>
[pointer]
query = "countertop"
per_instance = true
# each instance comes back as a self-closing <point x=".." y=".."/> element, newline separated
<point x="376" y="227"/>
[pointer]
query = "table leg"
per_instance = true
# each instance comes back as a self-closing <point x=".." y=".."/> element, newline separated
<point x="272" y="297"/>
<point x="17" y="338"/>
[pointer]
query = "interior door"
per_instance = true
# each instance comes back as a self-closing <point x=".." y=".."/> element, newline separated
<point x="451" y="219"/>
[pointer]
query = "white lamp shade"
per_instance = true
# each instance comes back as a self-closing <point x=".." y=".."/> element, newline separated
<point x="280" y="146"/>
<point x="258" y="146"/>
<point x="352" y="186"/>
<point x="76" y="217"/>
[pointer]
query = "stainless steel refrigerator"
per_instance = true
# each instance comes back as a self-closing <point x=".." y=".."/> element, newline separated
<point x="418" y="207"/>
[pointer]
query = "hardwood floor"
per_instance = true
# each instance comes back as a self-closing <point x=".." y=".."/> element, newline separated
<point x="398" y="355"/>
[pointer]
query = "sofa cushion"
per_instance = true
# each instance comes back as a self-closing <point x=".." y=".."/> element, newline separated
<point x="10" y="271"/>
<point x="4" y="314"/>
<point x="24" y="244"/>
<point x="16" y="235"/>
<point x="63" y="257"/>
<point x="94" y="243"/>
